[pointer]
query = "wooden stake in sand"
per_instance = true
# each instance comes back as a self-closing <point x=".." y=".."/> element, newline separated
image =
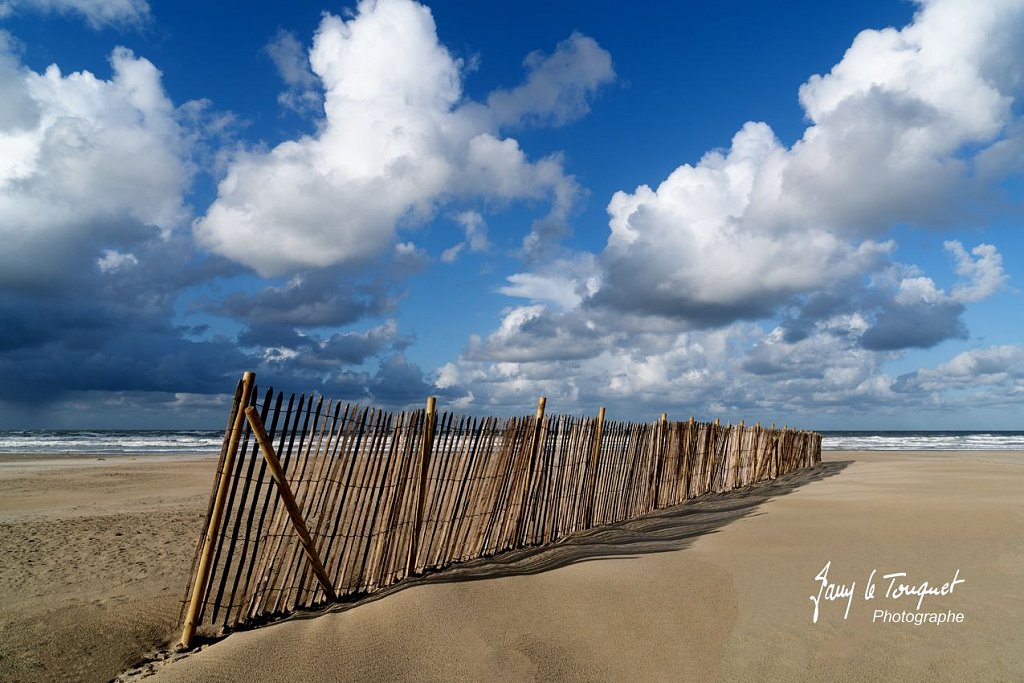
<point x="659" y="455"/>
<point x="203" y="570"/>
<point x="429" y="424"/>
<point x="534" y="442"/>
<point x="595" y="456"/>
<point x="289" y="501"/>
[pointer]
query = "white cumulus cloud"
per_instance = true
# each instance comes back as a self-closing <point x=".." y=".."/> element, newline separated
<point x="396" y="143"/>
<point x="85" y="164"/>
<point x="982" y="276"/>
<point x="688" y="250"/>
<point x="911" y="128"/>
<point x="896" y="128"/>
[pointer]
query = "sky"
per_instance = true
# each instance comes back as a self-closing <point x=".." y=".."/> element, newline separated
<point x="806" y="213"/>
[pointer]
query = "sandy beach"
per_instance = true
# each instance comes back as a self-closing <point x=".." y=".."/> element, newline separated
<point x="96" y="555"/>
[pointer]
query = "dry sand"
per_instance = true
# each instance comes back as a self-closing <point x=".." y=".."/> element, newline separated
<point x="719" y="588"/>
<point x="94" y="557"/>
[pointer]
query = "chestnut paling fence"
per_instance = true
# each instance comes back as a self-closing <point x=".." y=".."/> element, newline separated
<point x="316" y="501"/>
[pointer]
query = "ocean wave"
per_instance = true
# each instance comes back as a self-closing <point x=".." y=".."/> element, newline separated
<point x="922" y="441"/>
<point x="102" y="442"/>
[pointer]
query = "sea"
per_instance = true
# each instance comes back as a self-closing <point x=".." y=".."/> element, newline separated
<point x="111" y="442"/>
<point x="205" y="442"/>
<point x="922" y="441"/>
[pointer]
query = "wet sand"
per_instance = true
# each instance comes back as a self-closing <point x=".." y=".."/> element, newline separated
<point x="716" y="589"/>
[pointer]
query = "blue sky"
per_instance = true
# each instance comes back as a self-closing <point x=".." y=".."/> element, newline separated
<point x="806" y="215"/>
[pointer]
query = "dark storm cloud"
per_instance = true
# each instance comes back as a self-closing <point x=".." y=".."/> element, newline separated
<point x="920" y="326"/>
<point x="353" y="348"/>
<point x="628" y="287"/>
<point x="801" y="322"/>
<point x="893" y="325"/>
<point x="399" y="382"/>
<point x="315" y="299"/>
<point x="349" y="385"/>
<point x="111" y="329"/>
<point x="109" y="326"/>
<point x="129" y="360"/>
<point x="316" y="353"/>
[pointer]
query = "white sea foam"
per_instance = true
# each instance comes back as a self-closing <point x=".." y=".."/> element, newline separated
<point x="110" y="442"/>
<point x="922" y="441"/>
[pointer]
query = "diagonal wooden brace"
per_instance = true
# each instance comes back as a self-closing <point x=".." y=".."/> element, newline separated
<point x="289" y="501"/>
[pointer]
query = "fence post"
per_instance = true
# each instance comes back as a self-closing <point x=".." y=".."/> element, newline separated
<point x="784" y="466"/>
<point x="203" y="570"/>
<point x="521" y="531"/>
<point x="659" y="453"/>
<point x="289" y="502"/>
<point x="429" y="424"/>
<point x="773" y="461"/>
<point x="740" y="477"/>
<point x="541" y="403"/>
<point x="687" y="448"/>
<point x="712" y="454"/>
<point x="756" y="459"/>
<point x="595" y="456"/>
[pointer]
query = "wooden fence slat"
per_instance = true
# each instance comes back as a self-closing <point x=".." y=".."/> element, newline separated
<point x="270" y="566"/>
<point x="247" y="551"/>
<point x="268" y="548"/>
<point x="443" y="482"/>
<point x="319" y="497"/>
<point x="339" y="477"/>
<point x="429" y="423"/>
<point x="343" y="579"/>
<point x="292" y="562"/>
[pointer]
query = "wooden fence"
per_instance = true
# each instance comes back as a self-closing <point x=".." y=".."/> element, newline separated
<point x="347" y="500"/>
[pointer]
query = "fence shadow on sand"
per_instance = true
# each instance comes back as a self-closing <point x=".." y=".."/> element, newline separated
<point x="662" y="531"/>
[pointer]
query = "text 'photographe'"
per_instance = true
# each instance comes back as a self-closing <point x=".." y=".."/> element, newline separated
<point x="892" y="586"/>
